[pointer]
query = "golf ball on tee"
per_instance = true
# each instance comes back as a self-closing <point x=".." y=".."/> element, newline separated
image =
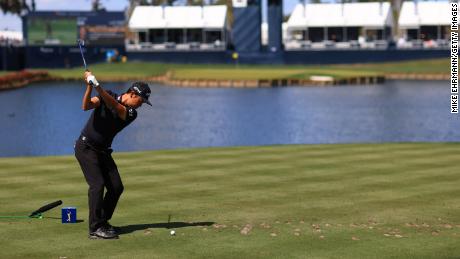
<point x="173" y="233"/>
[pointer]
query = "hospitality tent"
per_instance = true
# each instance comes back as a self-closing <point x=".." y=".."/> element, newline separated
<point x="171" y="25"/>
<point x="425" y="20"/>
<point x="340" y="22"/>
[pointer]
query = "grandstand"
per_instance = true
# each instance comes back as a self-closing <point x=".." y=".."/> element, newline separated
<point x="424" y="25"/>
<point x="323" y="26"/>
<point x="181" y="28"/>
<point x="349" y="25"/>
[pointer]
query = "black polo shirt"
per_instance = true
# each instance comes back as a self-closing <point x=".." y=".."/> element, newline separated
<point x="104" y="123"/>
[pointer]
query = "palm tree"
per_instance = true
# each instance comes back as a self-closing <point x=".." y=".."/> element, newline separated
<point x="97" y="6"/>
<point x="229" y="5"/>
<point x="195" y="2"/>
<point x="395" y="9"/>
<point x="14" y="6"/>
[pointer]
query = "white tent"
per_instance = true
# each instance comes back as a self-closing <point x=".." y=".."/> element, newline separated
<point x="177" y="27"/>
<point x="146" y="17"/>
<point x="178" y="17"/>
<point x="214" y="16"/>
<point x="413" y="15"/>
<point x="369" y="15"/>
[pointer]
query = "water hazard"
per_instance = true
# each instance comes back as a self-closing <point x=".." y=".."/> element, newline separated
<point x="45" y="119"/>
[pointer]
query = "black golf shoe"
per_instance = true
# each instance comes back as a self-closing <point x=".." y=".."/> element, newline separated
<point x="112" y="229"/>
<point x="103" y="233"/>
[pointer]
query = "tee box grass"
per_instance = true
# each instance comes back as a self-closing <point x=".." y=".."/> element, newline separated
<point x="295" y="201"/>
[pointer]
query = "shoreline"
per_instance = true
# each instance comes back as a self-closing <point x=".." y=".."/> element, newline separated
<point x="267" y="83"/>
<point x="23" y="78"/>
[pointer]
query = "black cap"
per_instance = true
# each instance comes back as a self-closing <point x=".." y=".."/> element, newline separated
<point x="143" y="90"/>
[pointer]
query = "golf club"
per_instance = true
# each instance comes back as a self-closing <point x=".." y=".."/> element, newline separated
<point x="81" y="43"/>
<point x="38" y="213"/>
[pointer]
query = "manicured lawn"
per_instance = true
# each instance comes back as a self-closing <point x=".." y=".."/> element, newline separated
<point x="105" y="71"/>
<point x="295" y="201"/>
<point x="140" y="70"/>
<point x="264" y="73"/>
<point x="432" y="66"/>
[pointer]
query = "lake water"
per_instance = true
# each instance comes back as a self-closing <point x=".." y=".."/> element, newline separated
<point x="45" y="118"/>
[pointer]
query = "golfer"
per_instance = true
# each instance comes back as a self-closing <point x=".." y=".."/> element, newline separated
<point x="111" y="114"/>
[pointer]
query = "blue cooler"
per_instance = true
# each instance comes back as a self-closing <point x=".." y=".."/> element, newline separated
<point x="69" y="215"/>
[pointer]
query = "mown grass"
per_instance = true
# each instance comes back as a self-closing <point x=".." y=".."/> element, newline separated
<point x="432" y="66"/>
<point x="250" y="73"/>
<point x="139" y="70"/>
<point x="117" y="70"/>
<point x="297" y="201"/>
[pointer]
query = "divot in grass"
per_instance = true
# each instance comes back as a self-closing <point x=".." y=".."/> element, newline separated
<point x="246" y="229"/>
<point x="265" y="225"/>
<point x="435" y="233"/>
<point x="219" y="226"/>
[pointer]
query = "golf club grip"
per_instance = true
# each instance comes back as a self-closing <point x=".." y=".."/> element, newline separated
<point x="46" y="207"/>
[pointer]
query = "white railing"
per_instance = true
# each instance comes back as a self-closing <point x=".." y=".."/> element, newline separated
<point x="378" y="44"/>
<point x="171" y="46"/>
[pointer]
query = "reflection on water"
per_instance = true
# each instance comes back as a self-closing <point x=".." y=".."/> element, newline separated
<point x="45" y="119"/>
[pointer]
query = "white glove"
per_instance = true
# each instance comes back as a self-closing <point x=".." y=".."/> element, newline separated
<point x="91" y="80"/>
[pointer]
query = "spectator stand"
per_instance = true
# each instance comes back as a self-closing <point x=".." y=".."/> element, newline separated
<point x="177" y="28"/>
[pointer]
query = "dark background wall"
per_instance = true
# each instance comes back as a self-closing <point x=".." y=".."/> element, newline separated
<point x="275" y="19"/>
<point x="15" y="58"/>
<point x="12" y="58"/>
<point x="246" y="31"/>
<point x="65" y="56"/>
<point x="359" y="56"/>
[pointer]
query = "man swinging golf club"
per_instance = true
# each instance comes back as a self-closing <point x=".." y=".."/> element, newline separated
<point x="111" y="114"/>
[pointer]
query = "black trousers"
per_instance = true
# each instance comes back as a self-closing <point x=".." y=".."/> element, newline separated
<point x="101" y="173"/>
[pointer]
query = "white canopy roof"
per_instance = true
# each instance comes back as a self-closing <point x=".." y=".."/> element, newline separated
<point x="341" y="15"/>
<point x="145" y="17"/>
<point x="414" y="15"/>
<point x="169" y="17"/>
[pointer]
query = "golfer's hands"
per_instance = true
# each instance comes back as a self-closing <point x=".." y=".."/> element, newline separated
<point x="91" y="79"/>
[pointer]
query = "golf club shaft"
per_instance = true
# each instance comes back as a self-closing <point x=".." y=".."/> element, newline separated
<point x="82" y="56"/>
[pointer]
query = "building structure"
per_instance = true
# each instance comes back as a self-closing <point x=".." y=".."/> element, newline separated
<point x="424" y="25"/>
<point x="334" y="25"/>
<point x="177" y="28"/>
